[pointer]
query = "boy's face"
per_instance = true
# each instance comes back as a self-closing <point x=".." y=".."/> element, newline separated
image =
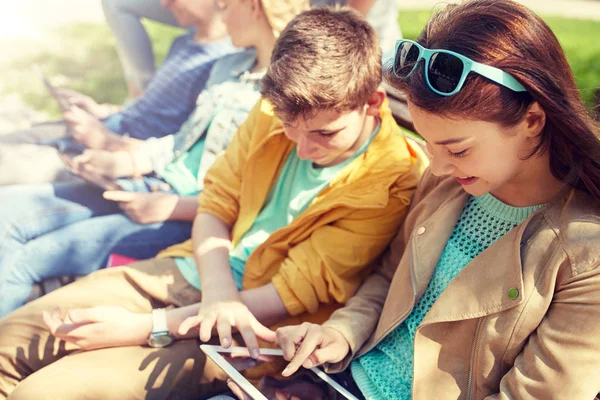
<point x="328" y="137"/>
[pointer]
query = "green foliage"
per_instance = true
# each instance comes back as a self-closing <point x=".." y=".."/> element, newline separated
<point x="83" y="57"/>
<point x="579" y="39"/>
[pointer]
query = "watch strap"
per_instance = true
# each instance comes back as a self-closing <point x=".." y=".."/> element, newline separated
<point x="159" y="320"/>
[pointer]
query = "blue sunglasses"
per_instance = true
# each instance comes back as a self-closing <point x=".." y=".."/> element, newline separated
<point x="445" y="70"/>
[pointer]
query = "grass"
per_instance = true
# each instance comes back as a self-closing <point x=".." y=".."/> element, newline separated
<point x="81" y="57"/>
<point x="84" y="58"/>
<point x="577" y="37"/>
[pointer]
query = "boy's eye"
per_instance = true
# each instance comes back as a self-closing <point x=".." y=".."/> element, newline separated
<point x="457" y="154"/>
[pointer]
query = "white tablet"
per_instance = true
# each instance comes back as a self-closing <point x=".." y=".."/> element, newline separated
<point x="213" y="352"/>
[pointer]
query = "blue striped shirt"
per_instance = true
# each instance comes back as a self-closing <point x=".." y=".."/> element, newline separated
<point x="171" y="96"/>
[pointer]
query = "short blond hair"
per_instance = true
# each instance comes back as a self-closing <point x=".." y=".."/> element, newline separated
<point x="280" y="12"/>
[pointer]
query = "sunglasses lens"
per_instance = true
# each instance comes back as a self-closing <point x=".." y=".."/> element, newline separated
<point x="406" y="58"/>
<point x="445" y="71"/>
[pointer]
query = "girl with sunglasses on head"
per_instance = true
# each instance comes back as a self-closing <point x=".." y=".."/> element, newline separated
<point x="491" y="289"/>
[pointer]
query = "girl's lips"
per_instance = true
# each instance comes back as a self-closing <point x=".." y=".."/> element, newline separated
<point x="466" y="181"/>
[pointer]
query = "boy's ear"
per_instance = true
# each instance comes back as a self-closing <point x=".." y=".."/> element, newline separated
<point x="375" y="101"/>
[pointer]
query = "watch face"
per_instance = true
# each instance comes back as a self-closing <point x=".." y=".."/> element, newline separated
<point x="160" y="340"/>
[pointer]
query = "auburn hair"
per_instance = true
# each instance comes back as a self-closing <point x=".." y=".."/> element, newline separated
<point x="509" y="36"/>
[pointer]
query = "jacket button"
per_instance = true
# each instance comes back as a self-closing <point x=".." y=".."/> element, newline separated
<point x="513" y="293"/>
<point x="421" y="231"/>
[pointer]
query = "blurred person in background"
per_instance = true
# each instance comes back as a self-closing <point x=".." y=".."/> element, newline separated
<point x="51" y="230"/>
<point x="135" y="49"/>
<point x="168" y="101"/>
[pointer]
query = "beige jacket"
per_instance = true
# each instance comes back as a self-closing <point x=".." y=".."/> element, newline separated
<point x="521" y="321"/>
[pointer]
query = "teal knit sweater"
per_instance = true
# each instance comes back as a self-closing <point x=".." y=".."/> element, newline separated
<point x="386" y="371"/>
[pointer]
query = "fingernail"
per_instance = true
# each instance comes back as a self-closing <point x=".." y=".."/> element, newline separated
<point x="225" y="342"/>
<point x="255" y="353"/>
<point x="286" y="371"/>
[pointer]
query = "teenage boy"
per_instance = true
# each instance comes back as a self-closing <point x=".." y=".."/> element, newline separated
<point x="166" y="104"/>
<point x="306" y="196"/>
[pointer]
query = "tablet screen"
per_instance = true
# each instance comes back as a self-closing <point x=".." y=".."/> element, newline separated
<point x="62" y="103"/>
<point x="320" y="380"/>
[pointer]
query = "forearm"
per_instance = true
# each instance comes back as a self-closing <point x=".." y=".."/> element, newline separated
<point x="211" y="242"/>
<point x="185" y="210"/>
<point x="116" y="142"/>
<point x="265" y="304"/>
<point x="129" y="163"/>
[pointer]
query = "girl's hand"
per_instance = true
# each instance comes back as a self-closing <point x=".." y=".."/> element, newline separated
<point x="225" y="315"/>
<point x="99" y="327"/>
<point x="145" y="208"/>
<point x="106" y="163"/>
<point x="309" y="345"/>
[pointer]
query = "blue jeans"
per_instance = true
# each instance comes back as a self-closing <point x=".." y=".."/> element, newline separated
<point x="68" y="229"/>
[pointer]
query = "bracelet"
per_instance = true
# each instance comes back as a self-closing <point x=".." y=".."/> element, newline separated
<point x="136" y="171"/>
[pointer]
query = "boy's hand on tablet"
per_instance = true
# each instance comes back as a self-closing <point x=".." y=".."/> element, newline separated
<point x="309" y="345"/>
<point x="225" y="315"/>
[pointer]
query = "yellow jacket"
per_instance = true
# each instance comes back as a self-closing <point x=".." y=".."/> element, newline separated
<point x="323" y="255"/>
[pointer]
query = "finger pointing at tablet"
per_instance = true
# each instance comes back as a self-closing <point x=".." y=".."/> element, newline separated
<point x="309" y="345"/>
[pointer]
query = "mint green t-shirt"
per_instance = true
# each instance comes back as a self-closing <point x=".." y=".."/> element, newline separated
<point x="182" y="172"/>
<point x="298" y="184"/>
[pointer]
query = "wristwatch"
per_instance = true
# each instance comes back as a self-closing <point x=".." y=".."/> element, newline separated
<point x="160" y="336"/>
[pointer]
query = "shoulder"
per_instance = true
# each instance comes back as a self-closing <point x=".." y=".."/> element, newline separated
<point x="574" y="220"/>
<point x="239" y="61"/>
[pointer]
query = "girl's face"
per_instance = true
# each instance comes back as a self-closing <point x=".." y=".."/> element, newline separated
<point x="238" y="18"/>
<point x="482" y="156"/>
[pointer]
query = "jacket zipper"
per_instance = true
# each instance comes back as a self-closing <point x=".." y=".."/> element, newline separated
<point x="414" y="287"/>
<point x="403" y="317"/>
<point x="470" y="380"/>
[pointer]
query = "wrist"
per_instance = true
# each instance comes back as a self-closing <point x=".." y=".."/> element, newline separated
<point x="221" y="295"/>
<point x="143" y="323"/>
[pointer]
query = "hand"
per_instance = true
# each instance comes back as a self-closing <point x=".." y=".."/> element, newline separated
<point x="145" y="208"/>
<point x="309" y="345"/>
<point x="86" y="103"/>
<point x="225" y="315"/>
<point x="88" y="130"/>
<point x="105" y="163"/>
<point x="99" y="327"/>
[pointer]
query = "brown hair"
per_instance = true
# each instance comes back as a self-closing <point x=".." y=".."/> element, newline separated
<point x="325" y="59"/>
<point x="509" y="36"/>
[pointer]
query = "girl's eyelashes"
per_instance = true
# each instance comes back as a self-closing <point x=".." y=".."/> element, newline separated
<point x="457" y="154"/>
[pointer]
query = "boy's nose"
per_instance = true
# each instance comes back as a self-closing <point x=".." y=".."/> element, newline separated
<point x="303" y="148"/>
